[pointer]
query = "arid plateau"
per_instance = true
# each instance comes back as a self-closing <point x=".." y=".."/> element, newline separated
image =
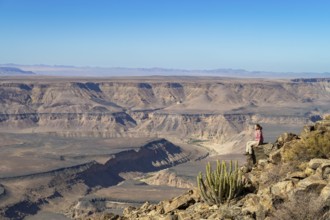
<point x="122" y="141"/>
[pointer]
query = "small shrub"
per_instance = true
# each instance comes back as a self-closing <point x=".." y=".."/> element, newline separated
<point x="301" y="207"/>
<point x="220" y="185"/>
<point x="277" y="173"/>
<point x="315" y="145"/>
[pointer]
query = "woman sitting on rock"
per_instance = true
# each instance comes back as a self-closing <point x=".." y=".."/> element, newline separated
<point x="259" y="139"/>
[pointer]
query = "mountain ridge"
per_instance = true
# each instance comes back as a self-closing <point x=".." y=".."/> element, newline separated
<point x="78" y="71"/>
<point x="14" y="71"/>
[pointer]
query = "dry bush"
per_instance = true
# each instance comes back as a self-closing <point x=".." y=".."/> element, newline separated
<point x="315" y="145"/>
<point x="277" y="173"/>
<point x="307" y="206"/>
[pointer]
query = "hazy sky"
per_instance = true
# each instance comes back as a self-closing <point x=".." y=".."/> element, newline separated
<point x="274" y="35"/>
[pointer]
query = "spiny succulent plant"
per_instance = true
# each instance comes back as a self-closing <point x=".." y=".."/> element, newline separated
<point x="222" y="184"/>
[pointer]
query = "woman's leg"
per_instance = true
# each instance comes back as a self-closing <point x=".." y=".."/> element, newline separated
<point x="249" y="145"/>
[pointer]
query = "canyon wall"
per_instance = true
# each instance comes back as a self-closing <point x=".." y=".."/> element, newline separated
<point x="216" y="110"/>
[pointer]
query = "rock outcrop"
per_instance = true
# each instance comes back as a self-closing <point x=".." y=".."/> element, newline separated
<point x="276" y="189"/>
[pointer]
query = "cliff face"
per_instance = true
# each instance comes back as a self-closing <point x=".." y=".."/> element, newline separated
<point x="278" y="186"/>
<point x="114" y="96"/>
<point x="214" y="110"/>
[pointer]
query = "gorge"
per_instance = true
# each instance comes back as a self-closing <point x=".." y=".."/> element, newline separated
<point x="70" y="139"/>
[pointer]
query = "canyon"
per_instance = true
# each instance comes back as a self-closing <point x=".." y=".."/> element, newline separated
<point x="126" y="140"/>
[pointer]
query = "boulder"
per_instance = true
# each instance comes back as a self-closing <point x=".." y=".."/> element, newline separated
<point x="284" y="138"/>
<point x="312" y="183"/>
<point x="315" y="163"/>
<point x="309" y="171"/>
<point x="275" y="156"/>
<point x="262" y="163"/>
<point x="253" y="179"/>
<point x="253" y="207"/>
<point x="228" y="212"/>
<point x="266" y="174"/>
<point x="268" y="148"/>
<point x="181" y="202"/>
<point x="193" y="214"/>
<point x="296" y="175"/>
<point x="324" y="169"/>
<point x="282" y="189"/>
<point x="216" y="215"/>
<point x="266" y="199"/>
<point x="325" y="194"/>
<point x="185" y="216"/>
<point x="259" y="153"/>
<point x="250" y="161"/>
<point x="147" y="207"/>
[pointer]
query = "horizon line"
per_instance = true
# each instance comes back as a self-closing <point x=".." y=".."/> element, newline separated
<point x="163" y="68"/>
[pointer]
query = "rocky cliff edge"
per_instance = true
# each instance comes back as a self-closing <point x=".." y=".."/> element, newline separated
<point x="290" y="181"/>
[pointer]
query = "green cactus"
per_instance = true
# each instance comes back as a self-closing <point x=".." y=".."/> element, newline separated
<point x="220" y="185"/>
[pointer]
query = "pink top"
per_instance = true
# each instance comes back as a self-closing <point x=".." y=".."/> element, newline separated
<point x="259" y="136"/>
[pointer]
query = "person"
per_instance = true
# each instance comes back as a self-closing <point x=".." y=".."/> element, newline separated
<point x="259" y="139"/>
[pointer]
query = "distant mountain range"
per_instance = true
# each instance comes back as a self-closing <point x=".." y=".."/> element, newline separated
<point x="14" y="71"/>
<point x="61" y="70"/>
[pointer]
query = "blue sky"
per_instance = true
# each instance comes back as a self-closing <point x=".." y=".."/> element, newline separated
<point x="273" y="35"/>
